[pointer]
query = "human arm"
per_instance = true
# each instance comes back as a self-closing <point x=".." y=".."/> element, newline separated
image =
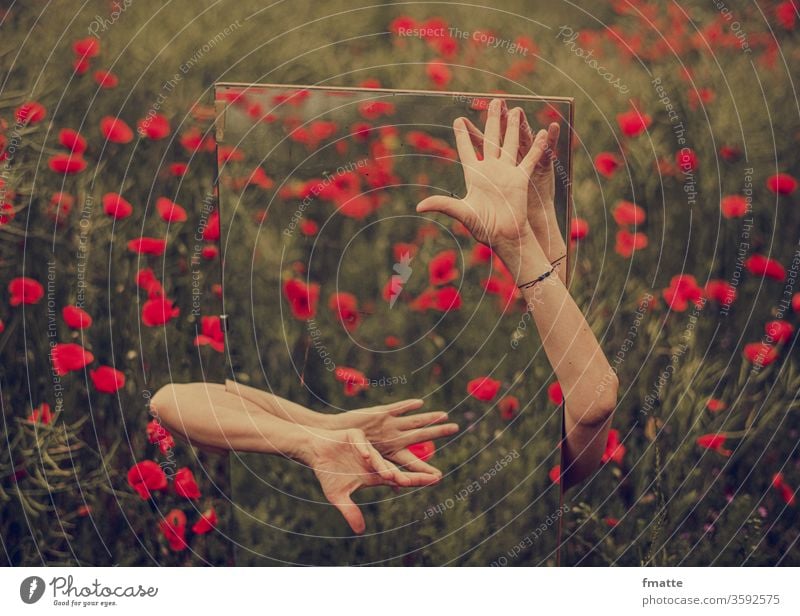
<point x="495" y="210"/>
<point x="388" y="427"/>
<point x="343" y="460"/>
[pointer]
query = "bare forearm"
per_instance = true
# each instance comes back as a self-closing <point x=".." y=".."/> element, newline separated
<point x="549" y="236"/>
<point x="580" y="365"/>
<point x="282" y="408"/>
<point x="208" y="416"/>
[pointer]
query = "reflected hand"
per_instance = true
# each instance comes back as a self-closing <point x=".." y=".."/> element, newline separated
<point x="390" y="431"/>
<point x="344" y="461"/>
<point x="495" y="206"/>
<point x="542" y="188"/>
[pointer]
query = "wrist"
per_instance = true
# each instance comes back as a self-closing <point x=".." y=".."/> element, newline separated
<point x="310" y="445"/>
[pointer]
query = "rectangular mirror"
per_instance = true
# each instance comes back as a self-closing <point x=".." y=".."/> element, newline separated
<point x="339" y="296"/>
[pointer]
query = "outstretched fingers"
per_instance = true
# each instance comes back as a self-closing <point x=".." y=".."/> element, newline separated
<point x="536" y="152"/>
<point x="430" y="433"/>
<point x="420" y="420"/>
<point x="491" y="142"/>
<point x="412" y="463"/>
<point x="403" y="406"/>
<point x="511" y="140"/>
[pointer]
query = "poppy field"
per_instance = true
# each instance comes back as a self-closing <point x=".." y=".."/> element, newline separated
<point x="117" y="258"/>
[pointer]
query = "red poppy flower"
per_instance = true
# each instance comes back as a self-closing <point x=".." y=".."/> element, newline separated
<point x="107" y="380"/>
<point x="721" y="292"/>
<point x="441" y="268"/>
<point x="146" y="477"/>
<point x="345" y="307"/>
<point x="146" y="279"/>
<point x="715" y="405"/>
<point x="730" y="153"/>
<point x="211" y="231"/>
<point x="796" y="302"/>
<point x="106" y="79"/>
<point x="206" y="523"/>
<point x="157" y="434"/>
<point x="6" y="213"/>
<point x="554" y="393"/>
<point x="629" y="242"/>
<point x="88" y="47"/>
<point x="683" y="289"/>
<point x="354" y="380"/>
<point x="211" y="334"/>
<point x="173" y="527"/>
<point x="69" y="357"/>
<point x="170" y="211"/>
<point x="779" y="331"/>
<point x="116" y="206"/>
<point x="759" y="265"/>
<point x="786" y="13"/>
<point x="41" y="414"/>
<point x="606" y="164"/>
<point x="509" y="407"/>
<point x="424" y="451"/>
<point x="760" y="353"/>
<point x="628" y="213"/>
<point x="633" y="123"/>
<point x="782" y="184"/>
<point x="30" y="113"/>
<point x="159" y="311"/>
<point x="734" y="206"/>
<point x="786" y="492"/>
<point x="76" y="318"/>
<point x="714" y="442"/>
<point x="483" y="388"/>
<point x="185" y="484"/>
<point x="116" y="130"/>
<point x="578" y="229"/>
<point x="25" y="290"/>
<point x="555" y="474"/>
<point x="80" y="66"/>
<point x="148" y="246"/>
<point x="155" y="126"/>
<point x="399" y="25"/>
<point x="372" y="110"/>
<point x="614" y="451"/>
<point x="72" y="140"/>
<point x="60" y="205"/>
<point x="446" y="299"/>
<point x="67" y="164"/>
<point x="302" y="298"/>
<point x="308" y="227"/>
<point x="178" y="170"/>
<point x="404" y="252"/>
<point x="686" y="160"/>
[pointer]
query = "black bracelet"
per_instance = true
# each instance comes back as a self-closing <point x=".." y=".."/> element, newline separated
<point x="561" y="258"/>
<point x="536" y="281"/>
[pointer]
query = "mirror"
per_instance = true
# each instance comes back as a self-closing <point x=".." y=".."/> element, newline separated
<point x="339" y="296"/>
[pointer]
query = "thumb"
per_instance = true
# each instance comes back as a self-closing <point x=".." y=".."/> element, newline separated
<point x="444" y="205"/>
<point x="352" y="514"/>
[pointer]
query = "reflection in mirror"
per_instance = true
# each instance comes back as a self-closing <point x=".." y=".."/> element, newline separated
<point x="341" y="296"/>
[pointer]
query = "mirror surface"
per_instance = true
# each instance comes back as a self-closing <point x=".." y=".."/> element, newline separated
<point x="340" y="296"/>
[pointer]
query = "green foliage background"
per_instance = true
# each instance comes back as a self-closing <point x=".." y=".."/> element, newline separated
<point x="676" y="503"/>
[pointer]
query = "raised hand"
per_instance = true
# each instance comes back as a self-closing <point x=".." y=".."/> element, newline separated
<point x="542" y="187"/>
<point x="495" y="206"/>
<point x="344" y="461"/>
<point x="391" y="431"/>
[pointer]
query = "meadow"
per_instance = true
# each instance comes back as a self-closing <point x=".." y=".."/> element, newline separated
<point x="685" y="255"/>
